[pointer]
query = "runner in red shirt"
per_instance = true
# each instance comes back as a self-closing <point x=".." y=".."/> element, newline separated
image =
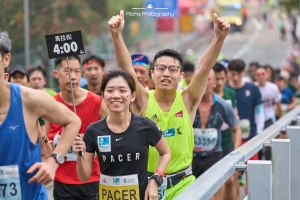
<point x="90" y="109"/>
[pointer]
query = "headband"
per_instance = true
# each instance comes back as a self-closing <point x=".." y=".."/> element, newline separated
<point x="140" y="63"/>
<point x="92" y="62"/>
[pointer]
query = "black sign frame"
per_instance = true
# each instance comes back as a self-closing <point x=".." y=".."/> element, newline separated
<point x="64" y="44"/>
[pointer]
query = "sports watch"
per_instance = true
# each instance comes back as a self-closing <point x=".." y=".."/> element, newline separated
<point x="158" y="179"/>
<point x="59" y="158"/>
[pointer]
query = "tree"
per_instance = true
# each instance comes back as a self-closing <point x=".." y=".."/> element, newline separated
<point x="289" y="4"/>
<point x="49" y="17"/>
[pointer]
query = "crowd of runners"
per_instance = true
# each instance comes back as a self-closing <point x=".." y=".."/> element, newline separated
<point x="143" y="131"/>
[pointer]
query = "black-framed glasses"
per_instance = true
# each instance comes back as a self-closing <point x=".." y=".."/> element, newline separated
<point x="172" y="68"/>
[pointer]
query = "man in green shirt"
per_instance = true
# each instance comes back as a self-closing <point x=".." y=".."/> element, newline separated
<point x="228" y="142"/>
<point x="172" y="110"/>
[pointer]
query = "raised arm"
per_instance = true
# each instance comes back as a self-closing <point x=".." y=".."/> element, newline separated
<point x="194" y="92"/>
<point x="116" y="24"/>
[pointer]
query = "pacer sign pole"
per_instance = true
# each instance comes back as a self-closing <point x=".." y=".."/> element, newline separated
<point x="71" y="85"/>
<point x="65" y="45"/>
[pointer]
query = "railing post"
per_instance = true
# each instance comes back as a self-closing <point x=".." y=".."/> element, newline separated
<point x="281" y="169"/>
<point x="298" y="120"/>
<point x="259" y="179"/>
<point x="293" y="133"/>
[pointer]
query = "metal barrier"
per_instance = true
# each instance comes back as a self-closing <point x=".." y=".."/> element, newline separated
<point x="278" y="179"/>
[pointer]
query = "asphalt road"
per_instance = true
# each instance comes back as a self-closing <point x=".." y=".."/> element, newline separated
<point x="258" y="42"/>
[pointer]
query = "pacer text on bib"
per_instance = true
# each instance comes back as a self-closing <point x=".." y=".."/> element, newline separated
<point x="119" y="187"/>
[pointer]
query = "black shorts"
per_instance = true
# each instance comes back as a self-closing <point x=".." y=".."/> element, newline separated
<point x="201" y="164"/>
<point x="88" y="191"/>
<point x="227" y="151"/>
<point x="268" y="123"/>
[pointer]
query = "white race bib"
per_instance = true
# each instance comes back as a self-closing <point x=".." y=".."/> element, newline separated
<point x="10" y="188"/>
<point x="284" y="108"/>
<point x="162" y="189"/>
<point x="119" y="187"/>
<point x="205" y="139"/>
<point x="70" y="155"/>
<point x="244" y="125"/>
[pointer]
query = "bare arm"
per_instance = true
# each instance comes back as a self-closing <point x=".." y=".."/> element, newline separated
<point x="194" y="92"/>
<point x="237" y="136"/>
<point x="293" y="104"/>
<point x="84" y="163"/>
<point x="116" y="24"/>
<point x="46" y="148"/>
<point x="165" y="156"/>
<point x="42" y="105"/>
<point x="278" y="108"/>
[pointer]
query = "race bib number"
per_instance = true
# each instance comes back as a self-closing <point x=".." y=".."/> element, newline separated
<point x="162" y="189"/>
<point x="244" y="125"/>
<point x="10" y="183"/>
<point x="205" y="139"/>
<point x="70" y="155"/>
<point x="119" y="187"/>
<point x="284" y="108"/>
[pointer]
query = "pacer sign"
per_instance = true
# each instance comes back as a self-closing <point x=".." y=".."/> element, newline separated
<point x="64" y="44"/>
<point x="119" y="187"/>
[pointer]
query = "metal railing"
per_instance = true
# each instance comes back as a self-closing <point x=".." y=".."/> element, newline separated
<point x="278" y="178"/>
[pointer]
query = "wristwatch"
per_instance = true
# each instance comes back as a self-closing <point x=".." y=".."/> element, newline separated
<point x="59" y="159"/>
<point x="158" y="179"/>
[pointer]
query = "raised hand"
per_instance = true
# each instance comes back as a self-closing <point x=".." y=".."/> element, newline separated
<point x="221" y="26"/>
<point x="116" y="23"/>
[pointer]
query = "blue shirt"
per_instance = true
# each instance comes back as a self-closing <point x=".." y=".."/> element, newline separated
<point x="220" y="112"/>
<point x="248" y="97"/>
<point x="287" y="96"/>
<point x="17" y="149"/>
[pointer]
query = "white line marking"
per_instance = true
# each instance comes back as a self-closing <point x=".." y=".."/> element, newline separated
<point x="251" y="40"/>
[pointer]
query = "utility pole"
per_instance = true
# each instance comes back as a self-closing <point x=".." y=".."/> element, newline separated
<point x="26" y="34"/>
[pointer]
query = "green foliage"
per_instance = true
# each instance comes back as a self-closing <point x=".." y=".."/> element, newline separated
<point x="289" y="4"/>
<point x="116" y="5"/>
<point x="49" y="17"/>
<point x="55" y="16"/>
